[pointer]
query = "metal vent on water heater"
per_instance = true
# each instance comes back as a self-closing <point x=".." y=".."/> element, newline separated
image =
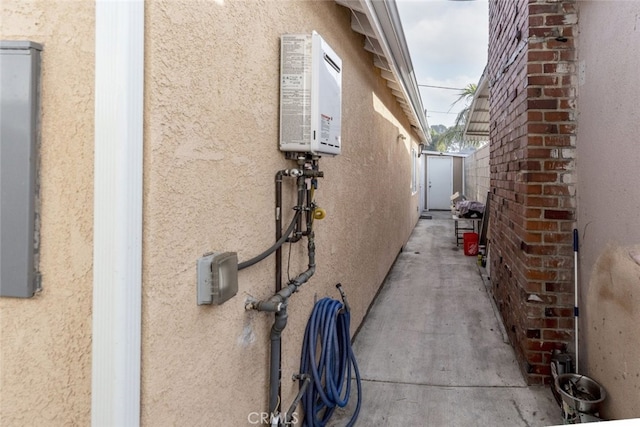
<point x="310" y="95"/>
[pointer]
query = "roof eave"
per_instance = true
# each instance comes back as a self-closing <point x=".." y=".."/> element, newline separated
<point x="385" y="26"/>
<point x="479" y="106"/>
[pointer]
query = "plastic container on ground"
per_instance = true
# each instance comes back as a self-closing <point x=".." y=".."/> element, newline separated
<point x="470" y="243"/>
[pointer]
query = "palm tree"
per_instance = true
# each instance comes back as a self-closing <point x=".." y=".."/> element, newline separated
<point x="452" y="139"/>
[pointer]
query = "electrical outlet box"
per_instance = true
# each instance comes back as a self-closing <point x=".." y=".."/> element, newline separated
<point x="19" y="133"/>
<point x="310" y="95"/>
<point x="217" y="277"/>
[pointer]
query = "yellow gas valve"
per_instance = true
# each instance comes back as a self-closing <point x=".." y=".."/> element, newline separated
<point x="319" y="213"/>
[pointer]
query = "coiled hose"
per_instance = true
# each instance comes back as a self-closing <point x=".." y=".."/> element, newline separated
<point x="328" y="327"/>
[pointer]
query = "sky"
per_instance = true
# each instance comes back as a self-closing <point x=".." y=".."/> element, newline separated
<point x="448" y="42"/>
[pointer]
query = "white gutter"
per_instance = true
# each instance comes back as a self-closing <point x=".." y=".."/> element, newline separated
<point x="117" y="241"/>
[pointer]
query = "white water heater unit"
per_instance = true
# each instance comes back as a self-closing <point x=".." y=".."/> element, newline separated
<point x="310" y="95"/>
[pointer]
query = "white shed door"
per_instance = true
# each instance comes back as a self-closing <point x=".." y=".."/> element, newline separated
<point x="439" y="182"/>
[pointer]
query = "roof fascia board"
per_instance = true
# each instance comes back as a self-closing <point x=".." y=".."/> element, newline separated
<point x="482" y="92"/>
<point x="385" y="22"/>
<point x="444" y="154"/>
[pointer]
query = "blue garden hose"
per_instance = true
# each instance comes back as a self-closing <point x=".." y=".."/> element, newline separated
<point x="328" y="331"/>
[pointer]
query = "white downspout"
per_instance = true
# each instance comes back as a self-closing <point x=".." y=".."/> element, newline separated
<point x="117" y="245"/>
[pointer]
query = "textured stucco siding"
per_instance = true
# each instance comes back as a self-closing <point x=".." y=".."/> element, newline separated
<point x="211" y="137"/>
<point x="210" y="156"/>
<point x="609" y="201"/>
<point x="45" y="350"/>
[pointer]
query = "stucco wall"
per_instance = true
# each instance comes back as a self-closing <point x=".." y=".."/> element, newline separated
<point x="609" y="201"/>
<point x="211" y="132"/>
<point x="212" y="94"/>
<point x="45" y="355"/>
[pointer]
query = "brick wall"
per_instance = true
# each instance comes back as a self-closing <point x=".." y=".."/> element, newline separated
<point x="532" y="93"/>
<point x="476" y="175"/>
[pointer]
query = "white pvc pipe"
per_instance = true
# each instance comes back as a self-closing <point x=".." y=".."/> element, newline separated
<point x="117" y="256"/>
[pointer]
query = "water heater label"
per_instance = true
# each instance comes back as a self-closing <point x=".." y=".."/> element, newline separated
<point x="295" y="90"/>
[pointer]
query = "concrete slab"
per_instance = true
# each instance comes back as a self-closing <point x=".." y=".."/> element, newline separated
<point x="431" y="351"/>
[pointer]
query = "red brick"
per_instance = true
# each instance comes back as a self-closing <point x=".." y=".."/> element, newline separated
<point x="542" y="275"/>
<point x="558" y="262"/>
<point x="536" y="345"/>
<point x="537" y="358"/>
<point x="556" y="190"/>
<point x="542" y="128"/>
<point x="558" y="238"/>
<point x="557" y="116"/>
<point x="532" y="213"/>
<point x="542" y="55"/>
<point x="531" y="287"/>
<point x="541" y="250"/>
<point x="567" y="55"/>
<point x="534" y="334"/>
<point x="535" y="139"/>
<point x="566" y="104"/>
<point x="534" y="262"/>
<point x="553" y="43"/>
<point x="538" y="8"/>
<point x="555" y="165"/>
<point x="566" y="323"/>
<point x="540" y="153"/>
<point x="533" y="311"/>
<point x="534" y="92"/>
<point x="542" y="104"/>
<point x="542" y="202"/>
<point x="543" y="80"/>
<point x="525" y="188"/>
<point x="536" y="21"/>
<point x="567" y="129"/>
<point x="558" y="92"/>
<point x="540" y="369"/>
<point x="535" y="116"/>
<point x="558" y="312"/>
<point x="545" y="322"/>
<point x="556" y="335"/>
<point x="557" y="140"/>
<point x="537" y="225"/>
<point x="552" y="20"/>
<point x="530" y="165"/>
<point x="558" y="214"/>
<point x="545" y="31"/>
<point x="534" y="68"/>
<point x="540" y="177"/>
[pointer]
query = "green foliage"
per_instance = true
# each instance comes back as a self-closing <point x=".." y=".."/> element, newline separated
<point x="451" y="139"/>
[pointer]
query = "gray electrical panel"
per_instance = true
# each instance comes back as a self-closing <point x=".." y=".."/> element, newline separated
<point x="19" y="138"/>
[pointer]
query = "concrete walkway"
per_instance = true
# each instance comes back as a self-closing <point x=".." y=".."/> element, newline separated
<point x="431" y="351"/>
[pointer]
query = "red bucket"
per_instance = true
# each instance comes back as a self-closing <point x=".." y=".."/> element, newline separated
<point x="470" y="243"/>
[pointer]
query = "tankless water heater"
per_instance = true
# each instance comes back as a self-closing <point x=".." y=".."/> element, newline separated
<point x="310" y="95"/>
